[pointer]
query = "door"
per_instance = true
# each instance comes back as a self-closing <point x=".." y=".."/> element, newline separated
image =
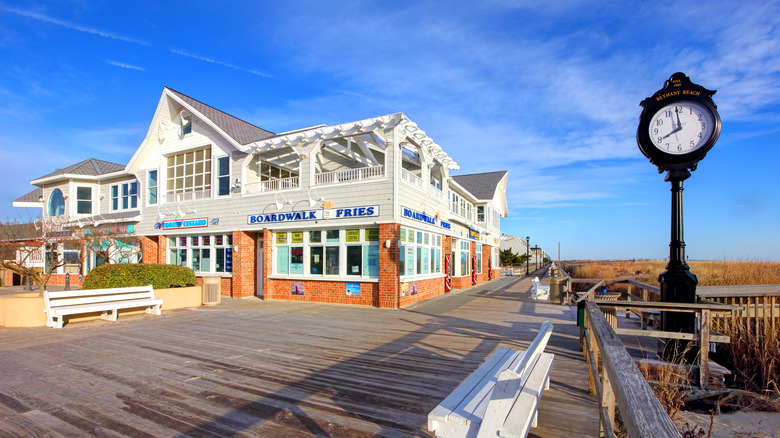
<point x="259" y="267"/>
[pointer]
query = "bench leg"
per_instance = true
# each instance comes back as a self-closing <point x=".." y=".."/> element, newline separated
<point x="56" y="322"/>
<point x="154" y="310"/>
<point x="109" y="315"/>
<point x="533" y="421"/>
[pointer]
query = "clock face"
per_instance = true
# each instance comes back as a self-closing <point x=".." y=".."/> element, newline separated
<point x="681" y="127"/>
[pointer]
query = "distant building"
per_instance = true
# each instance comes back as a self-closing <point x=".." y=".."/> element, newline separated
<point x="362" y="213"/>
<point x="516" y="244"/>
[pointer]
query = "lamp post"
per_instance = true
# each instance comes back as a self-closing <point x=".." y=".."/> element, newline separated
<point x="527" y="255"/>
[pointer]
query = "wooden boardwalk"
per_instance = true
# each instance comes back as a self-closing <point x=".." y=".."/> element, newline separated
<point x="254" y="368"/>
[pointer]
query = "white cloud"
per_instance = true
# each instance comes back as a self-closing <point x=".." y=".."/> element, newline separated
<point x="123" y="65"/>
<point x="218" y="62"/>
<point x="72" y="26"/>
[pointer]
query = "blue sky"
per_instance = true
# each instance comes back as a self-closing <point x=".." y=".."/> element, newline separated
<point x="548" y="90"/>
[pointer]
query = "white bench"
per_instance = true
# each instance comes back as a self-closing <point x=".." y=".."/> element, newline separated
<point x="539" y="292"/>
<point x="500" y="398"/>
<point x="108" y="301"/>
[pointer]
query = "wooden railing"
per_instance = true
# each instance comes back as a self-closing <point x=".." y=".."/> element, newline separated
<point x="758" y="305"/>
<point x="349" y="175"/>
<point x="411" y="178"/>
<point x="616" y="381"/>
<point x="274" y="185"/>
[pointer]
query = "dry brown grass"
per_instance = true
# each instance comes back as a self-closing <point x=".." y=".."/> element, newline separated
<point x="709" y="273"/>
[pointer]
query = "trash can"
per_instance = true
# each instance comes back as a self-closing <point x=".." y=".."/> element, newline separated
<point x="556" y="290"/>
<point x="581" y="313"/>
<point x="212" y="293"/>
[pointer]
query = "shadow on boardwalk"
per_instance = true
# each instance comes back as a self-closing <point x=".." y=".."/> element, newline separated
<point x="253" y="368"/>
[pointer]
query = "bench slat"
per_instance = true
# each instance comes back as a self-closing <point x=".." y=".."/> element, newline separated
<point x="65" y="302"/>
<point x="89" y="292"/>
<point x="520" y="418"/>
<point x="473" y="381"/>
<point x="105" y="306"/>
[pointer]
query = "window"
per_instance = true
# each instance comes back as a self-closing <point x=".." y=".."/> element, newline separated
<point x="480" y="213"/>
<point x="190" y="172"/>
<point x="186" y="123"/>
<point x="202" y="253"/>
<point x="152" y="187"/>
<point x="494" y="259"/>
<point x="325" y="252"/>
<point x="223" y="176"/>
<point x="83" y="200"/>
<point x="479" y="258"/>
<point x="124" y="196"/>
<point x="56" y="203"/>
<point x="463" y="246"/>
<point x="420" y="252"/>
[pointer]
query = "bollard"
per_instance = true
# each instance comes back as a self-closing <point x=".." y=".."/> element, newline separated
<point x="67" y="281"/>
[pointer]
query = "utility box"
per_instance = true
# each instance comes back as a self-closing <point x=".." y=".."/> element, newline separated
<point x="212" y="291"/>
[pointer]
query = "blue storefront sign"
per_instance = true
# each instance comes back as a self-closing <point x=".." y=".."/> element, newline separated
<point x="422" y="217"/>
<point x="311" y="215"/>
<point x="186" y="223"/>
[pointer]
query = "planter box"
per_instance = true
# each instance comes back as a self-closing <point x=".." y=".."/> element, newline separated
<point x="26" y="309"/>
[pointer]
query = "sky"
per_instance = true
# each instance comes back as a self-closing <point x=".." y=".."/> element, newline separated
<point x="547" y="90"/>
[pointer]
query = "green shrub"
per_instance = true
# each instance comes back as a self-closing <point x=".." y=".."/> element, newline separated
<point x="130" y="275"/>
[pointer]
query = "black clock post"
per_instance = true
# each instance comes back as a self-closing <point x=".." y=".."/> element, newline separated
<point x="679" y="124"/>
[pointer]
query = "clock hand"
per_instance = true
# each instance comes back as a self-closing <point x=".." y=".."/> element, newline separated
<point x="679" y="125"/>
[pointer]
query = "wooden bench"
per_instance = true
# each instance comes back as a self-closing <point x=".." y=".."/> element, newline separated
<point x="108" y="301"/>
<point x="500" y="397"/>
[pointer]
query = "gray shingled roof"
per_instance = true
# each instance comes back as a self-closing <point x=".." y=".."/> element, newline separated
<point x="32" y="196"/>
<point x="481" y="185"/>
<point x="239" y="130"/>
<point x="89" y="167"/>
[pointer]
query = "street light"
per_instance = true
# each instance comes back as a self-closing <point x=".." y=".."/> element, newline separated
<point x="527" y="256"/>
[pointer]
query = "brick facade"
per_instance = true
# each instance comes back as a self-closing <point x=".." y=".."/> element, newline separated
<point x="244" y="269"/>
<point x="389" y="266"/>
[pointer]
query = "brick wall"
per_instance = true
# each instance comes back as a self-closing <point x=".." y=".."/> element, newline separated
<point x="323" y="292"/>
<point x="389" y="266"/>
<point x="244" y="271"/>
<point x="425" y="289"/>
<point x="149" y="249"/>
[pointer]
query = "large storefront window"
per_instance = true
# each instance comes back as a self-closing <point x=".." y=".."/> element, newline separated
<point x="494" y="260"/>
<point x="202" y="253"/>
<point x="352" y="252"/>
<point x="420" y="252"/>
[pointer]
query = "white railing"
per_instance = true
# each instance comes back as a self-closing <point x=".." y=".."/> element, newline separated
<point x="437" y="194"/>
<point x="349" y="175"/>
<point x="275" y="185"/>
<point x="411" y="178"/>
<point x="187" y="196"/>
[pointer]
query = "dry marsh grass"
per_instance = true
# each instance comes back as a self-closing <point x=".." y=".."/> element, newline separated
<point x="709" y="273"/>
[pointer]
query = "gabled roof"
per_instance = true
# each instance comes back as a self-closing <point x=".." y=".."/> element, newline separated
<point x="241" y="131"/>
<point x="88" y="167"/>
<point x="481" y="185"/>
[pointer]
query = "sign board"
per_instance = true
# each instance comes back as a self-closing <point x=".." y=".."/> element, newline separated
<point x="297" y="289"/>
<point x="422" y="217"/>
<point x="311" y="215"/>
<point x="200" y="222"/>
<point x="352" y="289"/>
